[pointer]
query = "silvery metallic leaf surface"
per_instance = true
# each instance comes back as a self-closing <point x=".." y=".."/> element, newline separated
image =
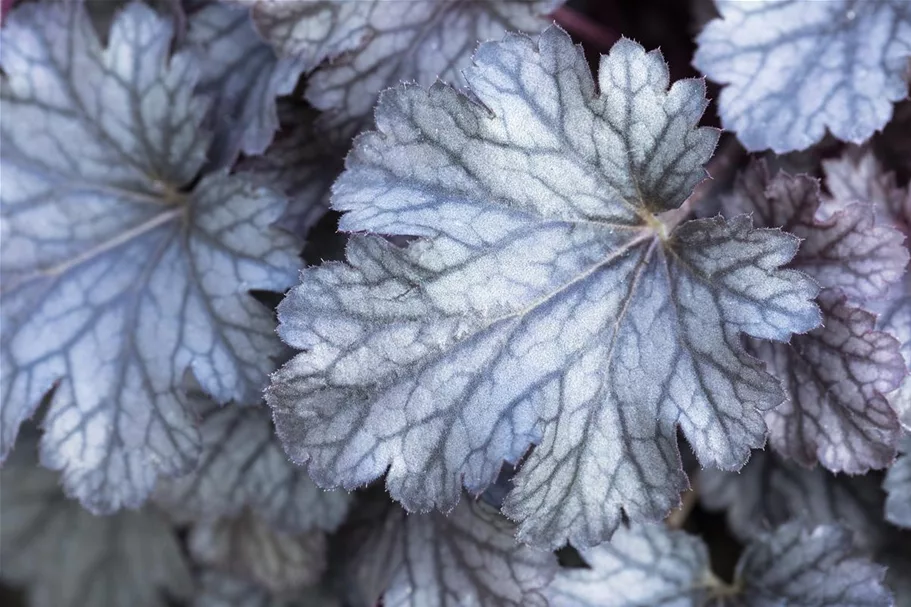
<point x="120" y="267"/>
<point x="549" y="299"/>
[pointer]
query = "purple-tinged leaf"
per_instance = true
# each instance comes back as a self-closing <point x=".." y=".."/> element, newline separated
<point x="117" y="273"/>
<point x="66" y="557"/>
<point x="794" y="69"/>
<point x="858" y="174"/>
<point x="303" y="163"/>
<point x="849" y="249"/>
<point x="651" y="566"/>
<point x="250" y="548"/>
<point x="898" y="488"/>
<point x="242" y="466"/>
<point x="836" y="376"/>
<point x="547" y="302"/>
<point x="243" y="76"/>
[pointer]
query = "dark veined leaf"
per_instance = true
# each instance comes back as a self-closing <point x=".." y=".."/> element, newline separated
<point x="302" y="162"/>
<point x="118" y="273"/>
<point x="385" y="43"/>
<point x="769" y="492"/>
<point x="243" y="75"/>
<point x="551" y="299"/>
<point x="66" y="557"/>
<point x="219" y="589"/>
<point x="469" y="557"/>
<point x="858" y="174"/>
<point x="835" y="376"/>
<point x="651" y="566"/>
<point x="898" y="488"/>
<point x="250" y="548"/>
<point x="242" y="466"/>
<point x="794" y="69"/>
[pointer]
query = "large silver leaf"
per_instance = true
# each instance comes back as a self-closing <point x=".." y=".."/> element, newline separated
<point x="836" y="376"/>
<point x="250" y="548"/>
<point x="650" y="566"/>
<point x="243" y="76"/>
<point x="418" y="41"/>
<point x="118" y="274"/>
<point x="242" y="466"/>
<point x="794" y="68"/>
<point x="66" y="557"/>
<point x="548" y="302"/>
<point x="469" y="557"/>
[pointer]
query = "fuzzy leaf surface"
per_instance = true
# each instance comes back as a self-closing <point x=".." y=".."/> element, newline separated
<point x="468" y="557"/>
<point x="243" y="75"/>
<point x="242" y="466"/>
<point x="547" y="301"/>
<point x="418" y="41"/>
<point x="66" y="557"/>
<point x="794" y="69"/>
<point x="898" y="488"/>
<point x="116" y="274"/>
<point x="648" y="566"/>
<point x="836" y="376"/>
<point x="250" y="548"/>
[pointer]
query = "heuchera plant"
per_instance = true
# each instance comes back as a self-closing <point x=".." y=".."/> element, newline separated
<point x="584" y="336"/>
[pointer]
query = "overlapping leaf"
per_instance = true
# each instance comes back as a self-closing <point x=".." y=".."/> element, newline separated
<point x="794" y="69"/>
<point x="469" y="557"/>
<point x="859" y="175"/>
<point x="835" y="376"/>
<point x="119" y="270"/>
<point x="243" y="75"/>
<point x="66" y="557"/>
<point x="651" y="566"/>
<point x="548" y="301"/>
<point x="250" y="548"/>
<point x="223" y="590"/>
<point x="303" y="163"/>
<point x="242" y="466"/>
<point x="385" y="43"/>
<point x="898" y="488"/>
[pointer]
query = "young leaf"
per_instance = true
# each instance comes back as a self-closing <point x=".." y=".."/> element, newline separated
<point x="242" y="465"/>
<point x="794" y="69"/>
<point x="653" y="566"/>
<point x="469" y="557"/>
<point x="223" y="590"/>
<point x="250" y="548"/>
<point x="303" y="163"/>
<point x="548" y="301"/>
<point x="645" y="565"/>
<point x="419" y="41"/>
<point x="66" y="557"/>
<point x="244" y="76"/>
<point x="898" y="488"/>
<point x="835" y="376"/>
<point x="118" y="273"/>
